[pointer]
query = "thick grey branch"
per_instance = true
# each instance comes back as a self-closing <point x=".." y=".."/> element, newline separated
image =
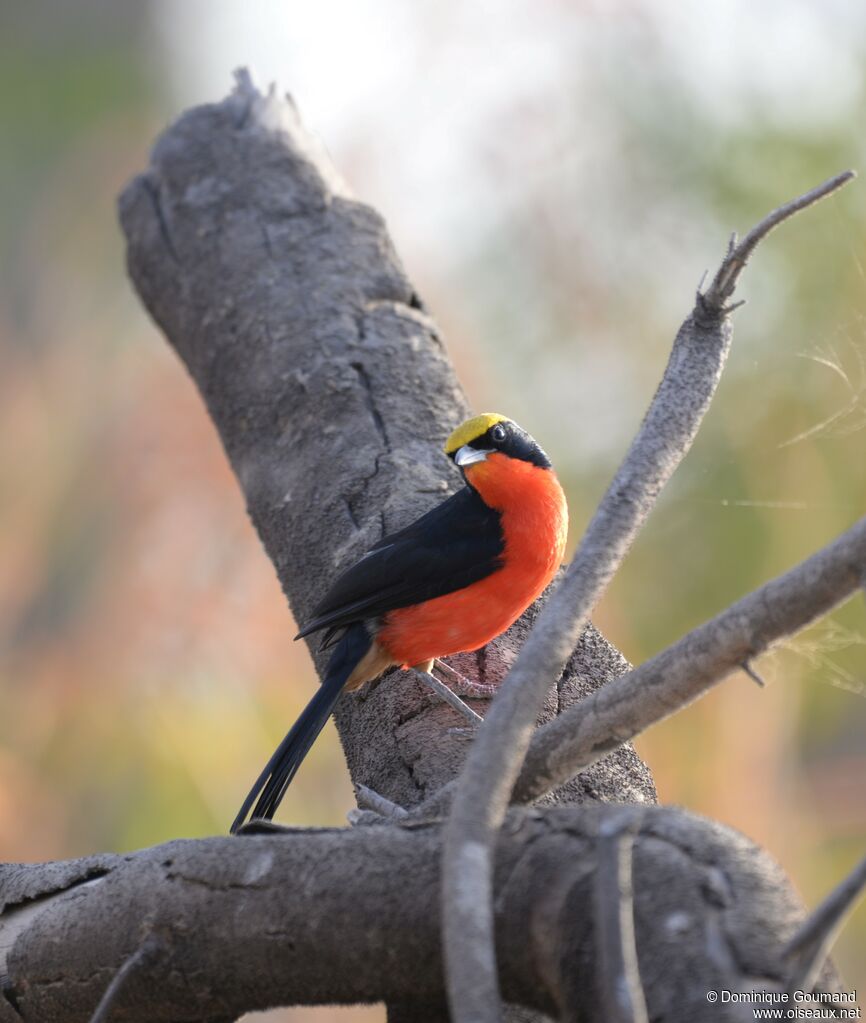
<point x="351" y="915"/>
<point x="665" y="436"/>
<point x="701" y="659"/>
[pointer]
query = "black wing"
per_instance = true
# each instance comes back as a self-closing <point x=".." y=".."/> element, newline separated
<point x="455" y="544"/>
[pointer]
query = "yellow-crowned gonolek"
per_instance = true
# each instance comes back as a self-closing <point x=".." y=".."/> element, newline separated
<point x="451" y="581"/>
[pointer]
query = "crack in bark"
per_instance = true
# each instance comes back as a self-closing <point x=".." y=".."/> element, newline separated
<point x="410" y="763"/>
<point x="90" y="875"/>
<point x="481" y="663"/>
<point x="204" y="882"/>
<point x="152" y="188"/>
<point x="360" y="491"/>
<point x="18" y="914"/>
<point x="350" y="511"/>
<point x="11" y="997"/>
<point x="266" y="238"/>
<point x="369" y="399"/>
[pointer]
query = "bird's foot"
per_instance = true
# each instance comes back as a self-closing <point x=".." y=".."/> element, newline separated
<point x="452" y="699"/>
<point x="464" y="686"/>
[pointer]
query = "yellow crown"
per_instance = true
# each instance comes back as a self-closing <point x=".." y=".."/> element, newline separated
<point x="471" y="430"/>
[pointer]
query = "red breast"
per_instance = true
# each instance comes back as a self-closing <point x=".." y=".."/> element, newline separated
<point x="534" y="521"/>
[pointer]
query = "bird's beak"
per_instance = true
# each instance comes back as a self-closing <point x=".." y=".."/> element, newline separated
<point x="468" y="456"/>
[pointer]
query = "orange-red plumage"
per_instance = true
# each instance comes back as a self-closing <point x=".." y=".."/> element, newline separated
<point x="534" y="518"/>
<point x="449" y="582"/>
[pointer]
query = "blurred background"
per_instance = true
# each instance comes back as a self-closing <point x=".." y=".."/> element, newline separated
<point x="557" y="177"/>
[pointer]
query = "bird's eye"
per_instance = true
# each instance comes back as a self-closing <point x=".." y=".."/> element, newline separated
<point x="498" y="433"/>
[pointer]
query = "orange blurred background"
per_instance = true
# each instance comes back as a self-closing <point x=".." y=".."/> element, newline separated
<point x="557" y="177"/>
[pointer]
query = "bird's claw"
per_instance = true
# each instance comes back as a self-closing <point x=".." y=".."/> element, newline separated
<point x="476" y="690"/>
<point x="463" y="686"/>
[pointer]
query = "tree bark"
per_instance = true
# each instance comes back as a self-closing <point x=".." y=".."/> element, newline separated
<point x="352" y="915"/>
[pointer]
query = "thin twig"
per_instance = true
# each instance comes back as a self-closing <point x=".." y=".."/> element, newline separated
<point x="723" y="284"/>
<point x="620" y="989"/>
<point x="753" y="675"/>
<point x="145" y="953"/>
<point x="369" y="800"/>
<point x="811" y="945"/>
<point x="494" y="759"/>
<point x="705" y="656"/>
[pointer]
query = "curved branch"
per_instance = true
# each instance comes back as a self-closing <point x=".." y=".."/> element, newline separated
<point x="687" y="669"/>
<point x="725" y="280"/>
<point x="481" y="797"/>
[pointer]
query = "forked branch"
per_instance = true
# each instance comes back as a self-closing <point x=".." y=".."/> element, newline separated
<point x="684" y="671"/>
<point x="725" y="280"/>
<point x="482" y="794"/>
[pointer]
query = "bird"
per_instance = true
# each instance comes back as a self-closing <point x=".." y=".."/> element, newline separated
<point x="448" y="583"/>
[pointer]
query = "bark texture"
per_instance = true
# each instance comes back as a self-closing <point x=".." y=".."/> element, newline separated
<point x="339" y="915"/>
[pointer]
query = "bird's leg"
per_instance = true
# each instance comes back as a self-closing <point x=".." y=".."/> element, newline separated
<point x="423" y="672"/>
<point x="465" y="686"/>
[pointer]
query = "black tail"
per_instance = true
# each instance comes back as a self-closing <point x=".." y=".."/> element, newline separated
<point x="281" y="768"/>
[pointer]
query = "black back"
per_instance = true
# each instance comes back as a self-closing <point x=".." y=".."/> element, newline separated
<point x="457" y="543"/>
